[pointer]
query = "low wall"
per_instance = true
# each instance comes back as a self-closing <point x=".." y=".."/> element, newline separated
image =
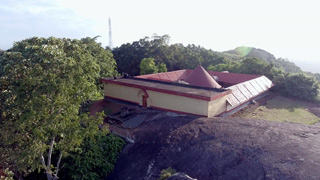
<point x="176" y="103"/>
<point x="166" y="101"/>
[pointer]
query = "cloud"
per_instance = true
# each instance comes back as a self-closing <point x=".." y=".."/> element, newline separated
<point x="27" y="6"/>
<point x="24" y="19"/>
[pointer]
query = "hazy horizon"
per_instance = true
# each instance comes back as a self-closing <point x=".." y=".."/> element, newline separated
<point x="287" y="29"/>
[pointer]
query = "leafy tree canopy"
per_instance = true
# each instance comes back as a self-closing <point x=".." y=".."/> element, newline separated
<point x="175" y="56"/>
<point x="162" y="67"/>
<point x="43" y="82"/>
<point x="94" y="159"/>
<point x="233" y="67"/>
<point x="147" y="66"/>
<point x="299" y="85"/>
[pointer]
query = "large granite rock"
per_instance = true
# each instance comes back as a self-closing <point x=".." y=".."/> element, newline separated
<point x="221" y="148"/>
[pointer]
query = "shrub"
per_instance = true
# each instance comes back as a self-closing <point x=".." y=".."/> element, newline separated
<point x="299" y="85"/>
<point x="95" y="158"/>
<point x="166" y="173"/>
<point x="7" y="175"/>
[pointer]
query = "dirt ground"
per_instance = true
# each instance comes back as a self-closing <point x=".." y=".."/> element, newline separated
<point x="251" y="107"/>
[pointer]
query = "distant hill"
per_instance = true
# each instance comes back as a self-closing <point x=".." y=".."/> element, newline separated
<point x="244" y="51"/>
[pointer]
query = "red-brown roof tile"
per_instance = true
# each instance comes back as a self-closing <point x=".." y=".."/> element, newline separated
<point x="200" y="77"/>
<point x="223" y="77"/>
<point x="232" y="78"/>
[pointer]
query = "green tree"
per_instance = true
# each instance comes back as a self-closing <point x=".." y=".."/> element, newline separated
<point x="104" y="58"/>
<point x="286" y="65"/>
<point x="233" y="67"/>
<point x="299" y="85"/>
<point x="147" y="66"/>
<point x="175" y="56"/>
<point x="316" y="75"/>
<point x="162" y="67"/>
<point x="45" y="82"/>
<point x="128" y="56"/>
<point x="94" y="159"/>
<point x="255" y="66"/>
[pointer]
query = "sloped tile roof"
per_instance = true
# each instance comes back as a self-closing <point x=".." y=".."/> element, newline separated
<point x="200" y="77"/>
<point x="228" y="78"/>
<point x="232" y="78"/>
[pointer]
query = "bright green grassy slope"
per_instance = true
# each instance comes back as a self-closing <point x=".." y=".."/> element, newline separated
<point x="283" y="109"/>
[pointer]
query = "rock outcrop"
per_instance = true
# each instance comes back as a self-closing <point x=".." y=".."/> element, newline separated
<point x="221" y="148"/>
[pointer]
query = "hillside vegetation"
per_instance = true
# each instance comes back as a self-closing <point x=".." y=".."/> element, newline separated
<point x="280" y="63"/>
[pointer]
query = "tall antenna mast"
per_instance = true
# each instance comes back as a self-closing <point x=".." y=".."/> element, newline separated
<point x="110" y="35"/>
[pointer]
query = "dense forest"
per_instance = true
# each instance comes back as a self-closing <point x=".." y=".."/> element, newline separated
<point x="45" y="130"/>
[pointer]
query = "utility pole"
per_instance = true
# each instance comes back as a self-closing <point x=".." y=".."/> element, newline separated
<point x="110" y="35"/>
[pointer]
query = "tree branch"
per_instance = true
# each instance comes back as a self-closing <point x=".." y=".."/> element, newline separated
<point x="58" y="165"/>
<point x="50" y="152"/>
<point x="42" y="160"/>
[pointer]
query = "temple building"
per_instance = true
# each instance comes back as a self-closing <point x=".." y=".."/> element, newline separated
<point x="196" y="92"/>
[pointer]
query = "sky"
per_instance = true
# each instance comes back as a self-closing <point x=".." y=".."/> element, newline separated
<point x="286" y="28"/>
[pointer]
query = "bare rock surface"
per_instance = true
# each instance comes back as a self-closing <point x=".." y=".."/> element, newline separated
<point x="221" y="148"/>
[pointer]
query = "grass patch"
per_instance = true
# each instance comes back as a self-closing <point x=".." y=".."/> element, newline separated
<point x="284" y="109"/>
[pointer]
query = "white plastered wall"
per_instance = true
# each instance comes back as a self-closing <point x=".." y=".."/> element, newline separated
<point x="217" y="106"/>
<point x="178" y="103"/>
<point x="167" y="101"/>
<point x="122" y="92"/>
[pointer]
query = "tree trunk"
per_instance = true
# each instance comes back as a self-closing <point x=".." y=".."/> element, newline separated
<point x="49" y="173"/>
<point x="49" y="176"/>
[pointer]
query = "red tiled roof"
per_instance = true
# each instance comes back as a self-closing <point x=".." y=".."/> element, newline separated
<point x="223" y="77"/>
<point x="166" y="76"/>
<point x="170" y="88"/>
<point x="232" y="78"/>
<point x="200" y="77"/>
